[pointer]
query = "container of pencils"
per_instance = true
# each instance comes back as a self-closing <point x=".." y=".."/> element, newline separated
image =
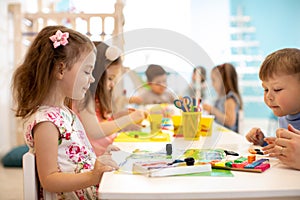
<point x="190" y="125"/>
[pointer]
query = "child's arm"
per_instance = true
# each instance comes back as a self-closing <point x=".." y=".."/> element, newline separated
<point x="229" y="117"/>
<point x="135" y="100"/>
<point x="113" y="126"/>
<point x="46" y="148"/>
<point x="90" y="122"/>
<point x="132" y="126"/>
<point x="96" y="129"/>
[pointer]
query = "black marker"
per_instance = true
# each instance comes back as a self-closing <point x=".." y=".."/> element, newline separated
<point x="169" y="149"/>
<point x="232" y="153"/>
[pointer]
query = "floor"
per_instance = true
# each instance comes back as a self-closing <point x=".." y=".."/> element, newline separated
<point x="11" y="184"/>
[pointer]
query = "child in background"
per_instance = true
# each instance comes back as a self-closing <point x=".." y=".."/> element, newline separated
<point x="280" y="75"/>
<point x="157" y="81"/>
<point x="58" y="67"/>
<point x="197" y="86"/>
<point x="96" y="112"/>
<point x="229" y="102"/>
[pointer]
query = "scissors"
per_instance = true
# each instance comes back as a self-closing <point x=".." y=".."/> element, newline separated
<point x="184" y="103"/>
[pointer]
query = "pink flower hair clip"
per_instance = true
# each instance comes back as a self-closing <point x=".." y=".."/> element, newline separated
<point x="59" y="38"/>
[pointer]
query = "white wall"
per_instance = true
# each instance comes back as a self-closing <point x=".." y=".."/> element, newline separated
<point x="206" y="23"/>
<point x="7" y="133"/>
<point x="210" y="27"/>
<point x="173" y="15"/>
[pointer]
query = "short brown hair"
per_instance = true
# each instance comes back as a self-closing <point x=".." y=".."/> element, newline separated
<point x="154" y="71"/>
<point x="284" y="61"/>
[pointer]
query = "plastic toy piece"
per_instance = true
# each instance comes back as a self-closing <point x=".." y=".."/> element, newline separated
<point x="232" y="153"/>
<point x="258" y="151"/>
<point x="255" y="151"/>
<point x="263" y="167"/>
<point x="228" y="164"/>
<point x="240" y="165"/>
<point x="256" y="163"/>
<point x="252" y="151"/>
<point x="240" y="160"/>
<point x="220" y="164"/>
<point x="251" y="158"/>
<point x="189" y="161"/>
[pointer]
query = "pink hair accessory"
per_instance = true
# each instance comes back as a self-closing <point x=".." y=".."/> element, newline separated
<point x="59" y="38"/>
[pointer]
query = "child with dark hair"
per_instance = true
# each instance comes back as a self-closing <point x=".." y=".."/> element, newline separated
<point x="158" y="93"/>
<point x="229" y="102"/>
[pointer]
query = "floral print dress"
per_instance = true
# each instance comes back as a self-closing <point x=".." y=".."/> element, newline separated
<point x="75" y="153"/>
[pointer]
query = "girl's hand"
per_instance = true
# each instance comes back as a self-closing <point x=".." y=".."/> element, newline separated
<point x="111" y="148"/>
<point x="103" y="164"/>
<point x="256" y="136"/>
<point x="107" y="160"/>
<point x="207" y="108"/>
<point x="135" y="100"/>
<point x="138" y="116"/>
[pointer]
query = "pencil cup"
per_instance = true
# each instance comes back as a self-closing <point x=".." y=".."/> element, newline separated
<point x="206" y="125"/>
<point x="190" y="123"/>
<point x="155" y="122"/>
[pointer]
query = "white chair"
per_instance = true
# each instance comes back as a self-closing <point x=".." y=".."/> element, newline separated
<point x="30" y="181"/>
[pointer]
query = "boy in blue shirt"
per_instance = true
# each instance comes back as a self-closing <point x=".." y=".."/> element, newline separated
<point x="280" y="75"/>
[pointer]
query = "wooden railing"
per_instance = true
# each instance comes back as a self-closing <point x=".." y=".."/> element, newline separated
<point x="27" y="25"/>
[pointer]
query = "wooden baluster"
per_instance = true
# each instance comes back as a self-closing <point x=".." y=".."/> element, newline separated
<point x="103" y="29"/>
<point x="118" y="26"/>
<point x="88" y="24"/>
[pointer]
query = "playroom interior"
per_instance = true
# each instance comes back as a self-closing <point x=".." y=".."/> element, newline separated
<point x="233" y="31"/>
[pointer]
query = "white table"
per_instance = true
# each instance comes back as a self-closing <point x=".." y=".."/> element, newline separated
<point x="278" y="182"/>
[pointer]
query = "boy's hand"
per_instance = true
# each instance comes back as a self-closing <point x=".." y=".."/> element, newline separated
<point x="288" y="146"/>
<point x="256" y="136"/>
<point x="271" y="144"/>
